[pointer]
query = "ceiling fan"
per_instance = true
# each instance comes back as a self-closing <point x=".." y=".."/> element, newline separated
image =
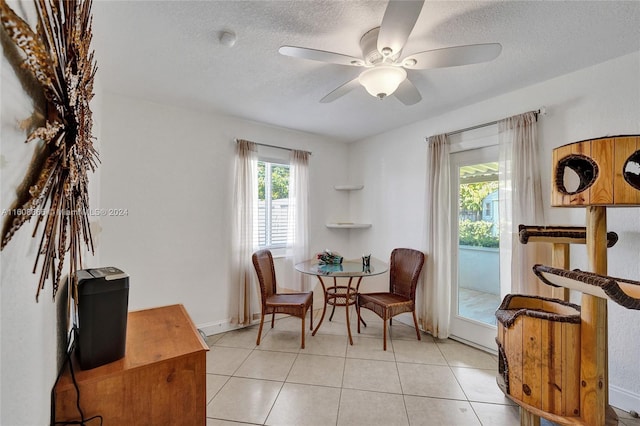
<point x="385" y="67"/>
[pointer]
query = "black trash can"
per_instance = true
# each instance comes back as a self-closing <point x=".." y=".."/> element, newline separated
<point x="103" y="300"/>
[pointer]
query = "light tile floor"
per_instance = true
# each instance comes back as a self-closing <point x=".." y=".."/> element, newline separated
<point x="428" y="382"/>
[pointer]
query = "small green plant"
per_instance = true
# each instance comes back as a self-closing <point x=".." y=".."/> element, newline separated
<point x="476" y="233"/>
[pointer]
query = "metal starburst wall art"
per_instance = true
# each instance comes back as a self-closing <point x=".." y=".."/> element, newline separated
<point x="58" y="56"/>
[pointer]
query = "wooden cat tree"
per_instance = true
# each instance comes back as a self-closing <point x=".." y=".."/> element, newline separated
<point x="552" y="353"/>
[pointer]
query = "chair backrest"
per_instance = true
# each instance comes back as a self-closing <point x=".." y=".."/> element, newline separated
<point x="263" y="262"/>
<point x="404" y="271"/>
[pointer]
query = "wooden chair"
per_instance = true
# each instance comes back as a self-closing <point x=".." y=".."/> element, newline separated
<point x="404" y="271"/>
<point x="273" y="303"/>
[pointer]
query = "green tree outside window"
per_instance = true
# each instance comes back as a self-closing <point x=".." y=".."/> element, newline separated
<point x="279" y="181"/>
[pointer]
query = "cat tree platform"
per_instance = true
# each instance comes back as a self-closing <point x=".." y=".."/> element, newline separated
<point x="553" y="354"/>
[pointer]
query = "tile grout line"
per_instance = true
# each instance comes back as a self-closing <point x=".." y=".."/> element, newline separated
<point x="404" y="400"/>
<point x="281" y="387"/>
<point x="459" y="384"/>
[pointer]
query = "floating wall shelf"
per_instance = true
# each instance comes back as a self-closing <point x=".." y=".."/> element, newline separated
<point x="348" y="225"/>
<point x="348" y="187"/>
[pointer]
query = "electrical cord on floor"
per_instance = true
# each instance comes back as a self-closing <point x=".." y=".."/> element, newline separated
<point x="67" y="361"/>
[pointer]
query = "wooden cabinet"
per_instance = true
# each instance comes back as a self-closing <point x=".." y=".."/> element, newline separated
<point x="160" y="381"/>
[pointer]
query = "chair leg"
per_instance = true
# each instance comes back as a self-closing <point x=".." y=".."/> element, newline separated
<point x="302" y="345"/>
<point x="273" y="319"/>
<point x="260" y="328"/>
<point x="358" y="312"/>
<point x="384" y="334"/>
<point x="415" y="323"/>
<point x="310" y="322"/>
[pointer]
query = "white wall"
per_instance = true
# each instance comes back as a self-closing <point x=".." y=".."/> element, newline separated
<point x="597" y="101"/>
<point x="32" y="335"/>
<point x="28" y="339"/>
<point x="172" y="170"/>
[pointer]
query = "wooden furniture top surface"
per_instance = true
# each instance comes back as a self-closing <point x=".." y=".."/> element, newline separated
<point x="153" y="335"/>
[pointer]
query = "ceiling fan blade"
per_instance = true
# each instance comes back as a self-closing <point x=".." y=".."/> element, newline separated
<point x="397" y="23"/>
<point x="453" y="56"/>
<point x="341" y="91"/>
<point x="320" y="55"/>
<point x="407" y="93"/>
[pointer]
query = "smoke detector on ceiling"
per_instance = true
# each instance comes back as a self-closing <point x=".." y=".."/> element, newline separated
<point x="227" y="38"/>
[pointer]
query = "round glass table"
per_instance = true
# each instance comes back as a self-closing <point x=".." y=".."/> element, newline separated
<point x="341" y="295"/>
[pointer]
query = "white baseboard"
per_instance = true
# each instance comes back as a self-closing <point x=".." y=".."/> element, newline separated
<point x="623" y="399"/>
<point x="211" y="328"/>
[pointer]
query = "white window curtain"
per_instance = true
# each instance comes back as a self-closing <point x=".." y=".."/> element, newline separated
<point x="298" y="219"/>
<point x="520" y="201"/>
<point x="436" y="292"/>
<point x="245" y="295"/>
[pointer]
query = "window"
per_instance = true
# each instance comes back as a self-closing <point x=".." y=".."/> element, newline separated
<point x="273" y="204"/>
<point x="487" y="209"/>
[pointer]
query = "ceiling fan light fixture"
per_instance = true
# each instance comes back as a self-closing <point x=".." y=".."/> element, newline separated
<point x="383" y="80"/>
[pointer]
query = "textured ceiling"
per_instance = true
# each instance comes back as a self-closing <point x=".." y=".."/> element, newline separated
<point x="169" y="52"/>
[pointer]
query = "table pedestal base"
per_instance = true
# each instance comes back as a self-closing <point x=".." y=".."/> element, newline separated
<point x="339" y="295"/>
